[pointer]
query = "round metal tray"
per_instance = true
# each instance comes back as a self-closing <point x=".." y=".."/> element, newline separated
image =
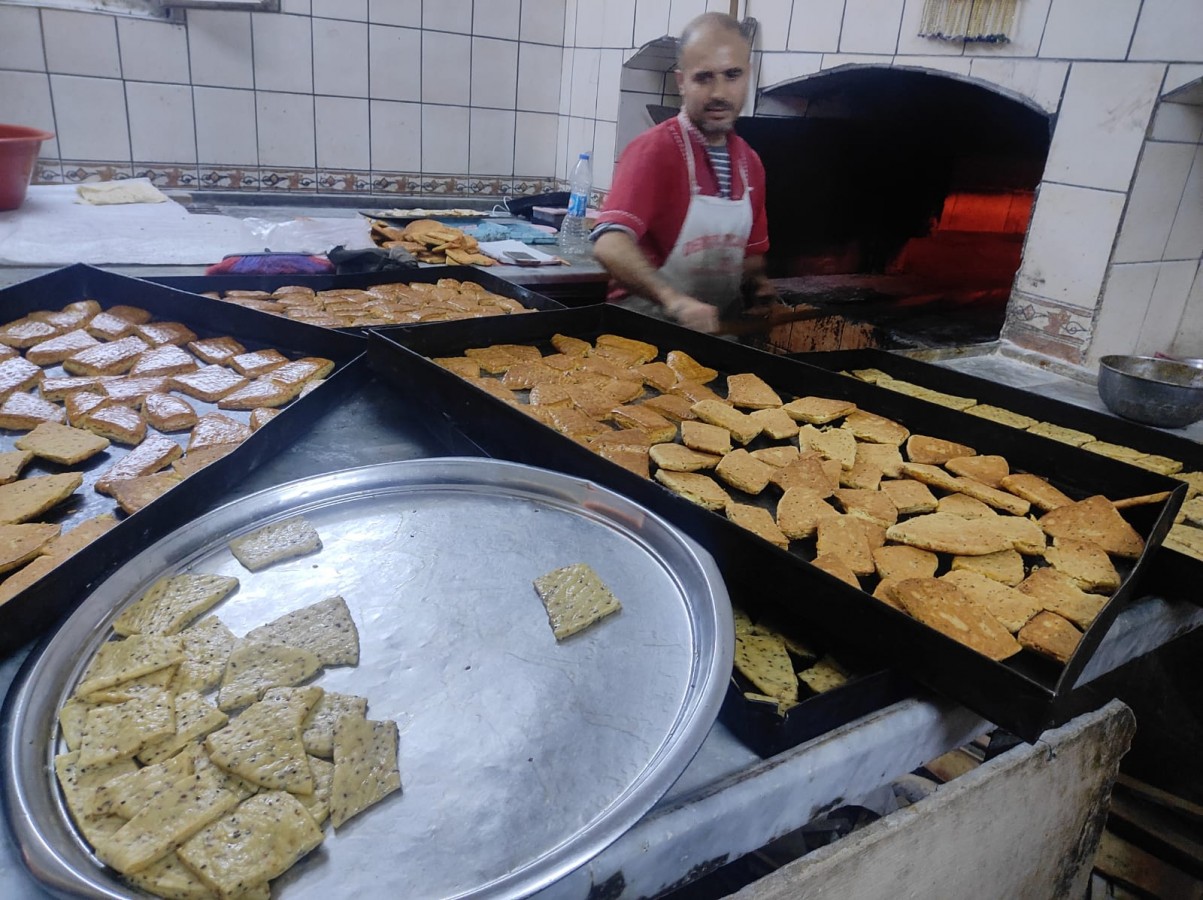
<point x="520" y="758"/>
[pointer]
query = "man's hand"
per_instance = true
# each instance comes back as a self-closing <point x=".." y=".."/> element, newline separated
<point x="692" y="313"/>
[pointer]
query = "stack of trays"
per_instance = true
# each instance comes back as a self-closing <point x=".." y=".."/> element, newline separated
<point x="1024" y="692"/>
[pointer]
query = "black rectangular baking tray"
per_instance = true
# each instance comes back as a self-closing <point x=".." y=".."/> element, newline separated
<point x="200" y="284"/>
<point x="62" y="589"/>
<point x="1173" y="574"/>
<point x="1025" y="695"/>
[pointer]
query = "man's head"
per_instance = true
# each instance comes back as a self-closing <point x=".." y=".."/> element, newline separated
<point x="712" y="73"/>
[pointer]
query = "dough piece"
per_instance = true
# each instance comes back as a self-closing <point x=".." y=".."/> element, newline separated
<point x="159" y="334"/>
<point x="1087" y="564"/>
<point x="965" y="507"/>
<point x="1114" y="451"/>
<point x="1056" y="592"/>
<point x="167" y="413"/>
<point x="640" y="350"/>
<point x="921" y="448"/>
<point x="818" y="410"/>
<point x="126" y="794"/>
<point x="216" y="351"/>
<point x="196" y="460"/>
<point x="823" y="676"/>
<point x="678" y="458"/>
<point x="672" y="407"/>
<point x="260" y="417"/>
<point x="116" y="731"/>
<point x="743" y="427"/>
<point x="155" y="453"/>
<point x="1036" y="491"/>
<point x="210" y="383"/>
<point x="114" y="358"/>
<point x="800" y="510"/>
<point x="117" y="423"/>
<point x="365" y="766"/>
<point x="942" y="606"/>
<point x="574" y="597"/>
<point x="764" y="661"/>
<point x="62" y="444"/>
<point x="16" y="375"/>
<point x="942" y="532"/>
<point x="899" y="562"/>
<point x="29" y="498"/>
<point x="694" y="392"/>
<point x="775" y="423"/>
<point x="1002" y="416"/>
<point x="59" y="389"/>
<point x="1011" y="607"/>
<point x="1024" y="534"/>
<point x="1162" y="465"/>
<point x="836" y="567"/>
<point x="165" y="360"/>
<point x="213" y="429"/>
<point x="260" y="393"/>
<point x="172" y="602"/>
<point x="1094" y="519"/>
<point x="700" y="489"/>
<point x="317" y="731"/>
<point x="873" y="506"/>
<point x="80" y="404"/>
<point x="743" y="471"/>
<point x="909" y="496"/>
<point x="79" y="537"/>
<point x="706" y="438"/>
<point x="809" y="471"/>
<point x="195" y="717"/>
<point x="843" y="536"/>
<point x="120" y="661"/>
<point x="1050" y="635"/>
<point x="1005" y="566"/>
<point x="27" y="332"/>
<point x="759" y="521"/>
<point x="658" y="375"/>
<point x="56" y="349"/>
<point x="952" y="401"/>
<point x="253" y="668"/>
<point x="777" y="456"/>
<point x="274" y="543"/>
<point x="12" y="464"/>
<point x="749" y="391"/>
<point x="325" y="628"/>
<point x="207" y="646"/>
<point x="21" y="543"/>
<point x="658" y="428"/>
<point x="301" y="371"/>
<point x="876" y="429"/>
<point x="21" y="412"/>
<point x="689" y="368"/>
<point x="834" y="443"/>
<point x="990" y="470"/>
<point x="1058" y="433"/>
<point x="933" y="476"/>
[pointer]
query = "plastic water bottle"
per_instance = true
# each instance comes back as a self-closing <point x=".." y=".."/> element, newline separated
<point x="573" y="240"/>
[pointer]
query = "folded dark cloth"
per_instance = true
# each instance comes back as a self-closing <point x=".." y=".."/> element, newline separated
<point x="272" y="264"/>
<point x="348" y="262"/>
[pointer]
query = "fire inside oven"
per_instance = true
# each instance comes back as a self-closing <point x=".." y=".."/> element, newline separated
<point x="898" y="202"/>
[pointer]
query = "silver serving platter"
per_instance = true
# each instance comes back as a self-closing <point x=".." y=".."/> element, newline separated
<point x="520" y="758"/>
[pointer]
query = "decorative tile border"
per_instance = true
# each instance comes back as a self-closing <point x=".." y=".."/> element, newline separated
<point x="396" y="183"/>
<point x="230" y="178"/>
<point x="47" y="171"/>
<point x="1055" y="329"/>
<point x="288" y="179"/>
<point x="79" y="171"/>
<point x="166" y="175"/>
<point x="344" y="182"/>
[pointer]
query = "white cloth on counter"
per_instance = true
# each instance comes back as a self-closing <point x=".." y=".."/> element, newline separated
<point x="128" y="190"/>
<point x="500" y="251"/>
<point x="52" y="229"/>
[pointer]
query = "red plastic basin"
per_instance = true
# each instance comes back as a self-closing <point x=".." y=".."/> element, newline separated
<point x="19" y="146"/>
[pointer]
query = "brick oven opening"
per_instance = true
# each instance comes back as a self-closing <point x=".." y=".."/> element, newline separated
<point x="900" y="197"/>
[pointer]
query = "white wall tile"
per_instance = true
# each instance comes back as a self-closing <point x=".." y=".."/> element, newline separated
<point x="535" y="145"/>
<point x="1189" y="339"/>
<point x="542" y="22"/>
<point x="90" y="118"/>
<point x="219" y="48"/>
<point x="682" y="13"/>
<point x="1069" y="244"/>
<point x="1040" y="82"/>
<point x="396" y="136"/>
<point x="539" y="78"/>
<point x="590" y="19"/>
<point x="441" y="82"/>
<point x="225" y="126"/>
<point x="494" y="72"/>
<point x="816" y="28"/>
<point x="1081" y="29"/>
<point x="909" y="41"/>
<point x="1156" y="195"/>
<point x="651" y="20"/>
<point x="580" y="140"/>
<point x="1169" y="29"/>
<point x="286" y="131"/>
<point x="1026" y="33"/>
<point x="954" y="65"/>
<point x="1186" y="235"/>
<point x="25" y="100"/>
<point x="645" y="81"/>
<point x="609" y="77"/>
<point x="444" y="139"/>
<point x="340" y="58"/>
<point x="343" y="138"/>
<point x="585" y="66"/>
<point x="1166" y="307"/>
<point x="773" y="18"/>
<point x="569" y="39"/>
<point x="835" y="60"/>
<point x="1123" y="309"/>
<point x="633" y="117"/>
<point x="447" y="15"/>
<point x="497" y="18"/>
<point x="1181" y="75"/>
<point x="394" y="63"/>
<point x="567" y="60"/>
<point x="1106" y="105"/>
<point x="491" y="142"/>
<point x="618" y="23"/>
<point x="153" y="50"/>
<point x="354" y="10"/>
<point x="296" y="7"/>
<point x="21" y="38"/>
<point x="604" y="137"/>
<point x="407" y="13"/>
<point x="562" y="147"/>
<point x="81" y="43"/>
<point x="161" y="123"/>
<point x="779" y="68"/>
<point x="871" y="27"/>
<point x="283" y="53"/>
<point x="1178" y="122"/>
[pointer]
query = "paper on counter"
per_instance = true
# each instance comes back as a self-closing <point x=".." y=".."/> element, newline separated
<point x="500" y="251"/>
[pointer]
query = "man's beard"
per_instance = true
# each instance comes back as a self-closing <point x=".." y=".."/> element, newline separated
<point x="706" y="126"/>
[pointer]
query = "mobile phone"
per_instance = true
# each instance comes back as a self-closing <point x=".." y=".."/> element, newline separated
<point x="519" y="258"/>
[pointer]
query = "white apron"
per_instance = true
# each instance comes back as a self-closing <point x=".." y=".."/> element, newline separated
<point x="707" y="261"/>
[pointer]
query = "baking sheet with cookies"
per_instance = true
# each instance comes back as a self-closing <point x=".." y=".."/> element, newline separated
<point x="1178" y="562"/>
<point x="1023" y="691"/>
<point x="170" y="486"/>
<point x="520" y="756"/>
<point x="275" y="287"/>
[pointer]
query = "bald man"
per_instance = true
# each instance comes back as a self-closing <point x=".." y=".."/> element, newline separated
<point x="683" y="233"/>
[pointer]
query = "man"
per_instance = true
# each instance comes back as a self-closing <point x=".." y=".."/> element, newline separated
<point x="683" y="232"/>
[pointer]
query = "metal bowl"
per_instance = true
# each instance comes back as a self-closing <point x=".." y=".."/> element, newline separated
<point x="1152" y="391"/>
